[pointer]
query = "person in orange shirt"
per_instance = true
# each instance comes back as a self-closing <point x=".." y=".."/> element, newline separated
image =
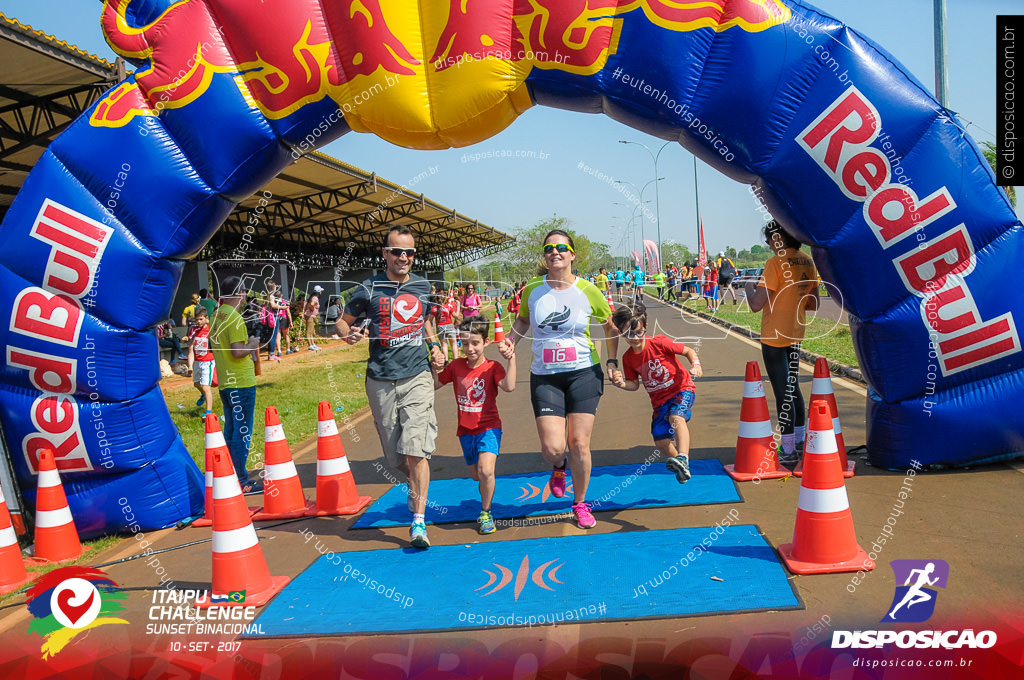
<point x="787" y="288"/>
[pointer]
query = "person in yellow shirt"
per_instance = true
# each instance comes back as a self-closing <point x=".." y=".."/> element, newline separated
<point x="233" y="346"/>
<point x="602" y="282"/>
<point x="787" y="288"/>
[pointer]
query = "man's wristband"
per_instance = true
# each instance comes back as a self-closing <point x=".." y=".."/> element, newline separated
<point x="613" y="361"/>
<point x="432" y="345"/>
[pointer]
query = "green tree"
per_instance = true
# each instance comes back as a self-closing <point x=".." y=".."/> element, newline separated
<point x="989" y="149"/>
<point x="675" y="252"/>
<point x="525" y="256"/>
<point x="730" y="252"/>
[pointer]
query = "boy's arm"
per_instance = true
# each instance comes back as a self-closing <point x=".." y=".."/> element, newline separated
<point x="508" y="383"/>
<point x="437" y="381"/>
<point x="695" y="368"/>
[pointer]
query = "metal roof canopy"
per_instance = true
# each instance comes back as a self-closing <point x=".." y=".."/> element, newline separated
<point x="45" y="84"/>
<point x="318" y="212"/>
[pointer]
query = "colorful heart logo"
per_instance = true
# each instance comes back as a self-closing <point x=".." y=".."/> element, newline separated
<point x="74" y="612"/>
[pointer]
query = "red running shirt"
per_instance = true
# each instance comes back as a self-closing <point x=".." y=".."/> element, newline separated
<point x="476" y="393"/>
<point x="444" y="312"/>
<point x="659" y="370"/>
<point x="200" y="338"/>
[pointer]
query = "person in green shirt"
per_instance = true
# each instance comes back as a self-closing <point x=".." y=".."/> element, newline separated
<point x="659" y="282"/>
<point x="233" y="347"/>
<point x="208" y="302"/>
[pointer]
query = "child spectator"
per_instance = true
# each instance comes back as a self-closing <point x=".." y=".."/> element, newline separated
<point x="475" y="381"/>
<point x="652" y="361"/>
<point x="200" y="358"/>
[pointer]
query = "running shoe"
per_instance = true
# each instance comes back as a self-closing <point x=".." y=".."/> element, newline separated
<point x="681" y="467"/>
<point x="584" y="518"/>
<point x="788" y="458"/>
<point x="274" y="357"/>
<point x="486" y="522"/>
<point x="201" y="400"/>
<point x="557" y="482"/>
<point x="252" y="488"/>
<point x="311" y="348"/>
<point x="418" y="535"/>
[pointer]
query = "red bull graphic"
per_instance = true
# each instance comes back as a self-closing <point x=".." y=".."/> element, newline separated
<point x="306" y="59"/>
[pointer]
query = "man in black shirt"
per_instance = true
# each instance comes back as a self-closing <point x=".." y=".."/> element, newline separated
<point x="397" y="308"/>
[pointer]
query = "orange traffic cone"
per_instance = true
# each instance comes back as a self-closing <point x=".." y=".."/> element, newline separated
<point x="336" y="492"/>
<point x="824" y="541"/>
<point x="821" y="388"/>
<point x="755" y="446"/>
<point x="282" y="494"/>
<point x="12" y="569"/>
<point x="238" y="562"/>
<point x="499" y="332"/>
<point x="608" y="297"/>
<point x="214" y="442"/>
<point x="56" y="536"/>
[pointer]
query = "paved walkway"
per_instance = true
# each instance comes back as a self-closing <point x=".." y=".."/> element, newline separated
<point x="963" y="517"/>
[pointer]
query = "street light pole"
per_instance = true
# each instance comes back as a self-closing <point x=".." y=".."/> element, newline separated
<point x="941" y="78"/>
<point x="642" y="202"/>
<point x="657" y="197"/>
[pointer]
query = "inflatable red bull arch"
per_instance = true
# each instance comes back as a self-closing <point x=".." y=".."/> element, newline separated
<point x="845" y="147"/>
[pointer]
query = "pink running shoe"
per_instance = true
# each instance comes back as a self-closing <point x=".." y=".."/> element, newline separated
<point x="584" y="518"/>
<point x="557" y="482"/>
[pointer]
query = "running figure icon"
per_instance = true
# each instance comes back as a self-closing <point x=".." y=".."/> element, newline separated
<point x="916" y="594"/>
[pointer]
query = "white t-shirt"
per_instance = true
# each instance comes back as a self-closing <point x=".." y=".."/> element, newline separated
<point x="560" y="320"/>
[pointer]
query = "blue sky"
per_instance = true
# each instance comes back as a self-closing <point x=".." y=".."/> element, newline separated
<point x="518" y="192"/>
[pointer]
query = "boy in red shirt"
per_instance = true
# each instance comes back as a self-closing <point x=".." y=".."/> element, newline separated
<point x="476" y="380"/>
<point x="653" y="362"/>
<point x="200" y="358"/>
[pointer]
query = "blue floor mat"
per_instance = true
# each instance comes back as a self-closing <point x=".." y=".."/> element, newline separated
<point x="567" y="579"/>
<point x="604" y="577"/>
<point x="612" y="487"/>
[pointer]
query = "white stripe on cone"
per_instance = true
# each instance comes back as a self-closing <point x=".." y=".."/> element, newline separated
<point x="215" y="440"/>
<point x="836" y="427"/>
<point x="278" y="471"/>
<point x="48" y="519"/>
<point x="8" y="537"/>
<point x="332" y="466"/>
<point x="209" y="478"/>
<point x="273" y="433"/>
<point x="2" y="496"/>
<point x="48" y="478"/>
<point x="821" y="386"/>
<point x="823" y="500"/>
<point x="755" y="430"/>
<point x="226" y="487"/>
<point x="753" y="389"/>
<point x="326" y="428"/>
<point x="820" y="443"/>
<point x="234" y="540"/>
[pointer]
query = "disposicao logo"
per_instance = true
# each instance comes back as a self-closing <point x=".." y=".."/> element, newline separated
<point x="914" y="602"/>
<point x="70" y="600"/>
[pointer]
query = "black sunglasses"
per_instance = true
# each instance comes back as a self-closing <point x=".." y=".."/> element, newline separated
<point x="399" y="252"/>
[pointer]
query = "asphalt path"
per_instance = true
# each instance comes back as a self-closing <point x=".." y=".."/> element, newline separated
<point x="965" y="517"/>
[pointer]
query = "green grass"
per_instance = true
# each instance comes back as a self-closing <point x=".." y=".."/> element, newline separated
<point x="830" y="339"/>
<point x="294" y="385"/>
<point x="91" y="548"/>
